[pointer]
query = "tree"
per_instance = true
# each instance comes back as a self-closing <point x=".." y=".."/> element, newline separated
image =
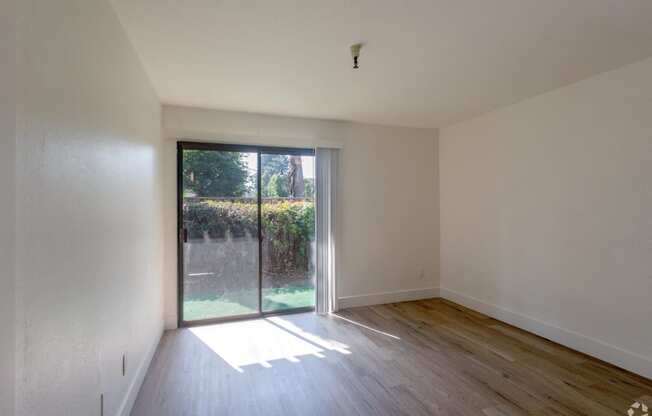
<point x="277" y="186"/>
<point x="296" y="185"/>
<point x="215" y="173"/>
<point x="274" y="165"/>
<point x="309" y="184"/>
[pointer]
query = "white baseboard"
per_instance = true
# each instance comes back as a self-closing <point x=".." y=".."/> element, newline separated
<point x="387" y="297"/>
<point x="141" y="372"/>
<point x="610" y="353"/>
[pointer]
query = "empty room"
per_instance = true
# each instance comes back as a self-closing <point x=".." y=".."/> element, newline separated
<point x="325" y="207"/>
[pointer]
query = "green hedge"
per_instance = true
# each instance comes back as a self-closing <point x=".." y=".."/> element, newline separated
<point x="288" y="228"/>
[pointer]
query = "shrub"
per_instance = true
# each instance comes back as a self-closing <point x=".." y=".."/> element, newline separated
<point x="288" y="228"/>
<point x="215" y="218"/>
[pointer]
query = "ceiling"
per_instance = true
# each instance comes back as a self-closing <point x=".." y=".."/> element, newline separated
<point x="425" y="63"/>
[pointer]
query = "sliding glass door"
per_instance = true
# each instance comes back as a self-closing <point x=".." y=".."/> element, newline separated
<point x="246" y="231"/>
<point x="288" y="229"/>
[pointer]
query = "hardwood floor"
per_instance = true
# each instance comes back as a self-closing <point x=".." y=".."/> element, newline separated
<point x="414" y="358"/>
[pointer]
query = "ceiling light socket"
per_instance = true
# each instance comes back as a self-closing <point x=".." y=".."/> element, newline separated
<point x="355" y="53"/>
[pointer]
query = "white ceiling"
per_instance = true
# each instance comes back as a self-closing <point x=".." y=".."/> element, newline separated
<point x="426" y="63"/>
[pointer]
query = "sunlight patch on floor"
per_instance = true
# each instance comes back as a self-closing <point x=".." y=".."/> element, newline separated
<point x="262" y="341"/>
<point x="315" y="339"/>
<point x="366" y="327"/>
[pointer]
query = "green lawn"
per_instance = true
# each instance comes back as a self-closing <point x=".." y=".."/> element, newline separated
<point x="245" y="302"/>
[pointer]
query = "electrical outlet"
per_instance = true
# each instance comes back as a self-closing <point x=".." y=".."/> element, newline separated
<point x="422" y="274"/>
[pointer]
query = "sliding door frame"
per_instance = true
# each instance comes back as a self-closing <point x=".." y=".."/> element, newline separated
<point x="259" y="150"/>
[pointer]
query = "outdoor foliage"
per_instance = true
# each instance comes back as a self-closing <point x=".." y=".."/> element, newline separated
<point x="277" y="176"/>
<point x="277" y="186"/>
<point x="309" y="184"/>
<point x="287" y="227"/>
<point x="274" y="172"/>
<point x="207" y="173"/>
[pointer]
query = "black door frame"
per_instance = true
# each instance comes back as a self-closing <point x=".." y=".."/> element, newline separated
<point x="259" y="150"/>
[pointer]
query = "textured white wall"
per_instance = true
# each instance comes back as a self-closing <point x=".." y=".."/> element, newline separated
<point x="388" y="194"/>
<point x="546" y="214"/>
<point x="89" y="224"/>
<point x="7" y="202"/>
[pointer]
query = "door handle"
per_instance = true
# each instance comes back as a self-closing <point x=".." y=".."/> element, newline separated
<point x="183" y="235"/>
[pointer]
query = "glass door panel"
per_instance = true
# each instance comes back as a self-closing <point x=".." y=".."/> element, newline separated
<point x="288" y="232"/>
<point x="219" y="216"/>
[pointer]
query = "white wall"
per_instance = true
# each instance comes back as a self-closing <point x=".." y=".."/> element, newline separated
<point x="7" y="202"/>
<point x="546" y="215"/>
<point x="388" y="203"/>
<point x="89" y="223"/>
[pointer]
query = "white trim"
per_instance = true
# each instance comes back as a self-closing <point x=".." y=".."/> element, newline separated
<point x="137" y="382"/>
<point x="628" y="360"/>
<point x="387" y="297"/>
<point x="230" y="138"/>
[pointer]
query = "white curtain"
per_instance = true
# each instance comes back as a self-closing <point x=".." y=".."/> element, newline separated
<point x="326" y="187"/>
